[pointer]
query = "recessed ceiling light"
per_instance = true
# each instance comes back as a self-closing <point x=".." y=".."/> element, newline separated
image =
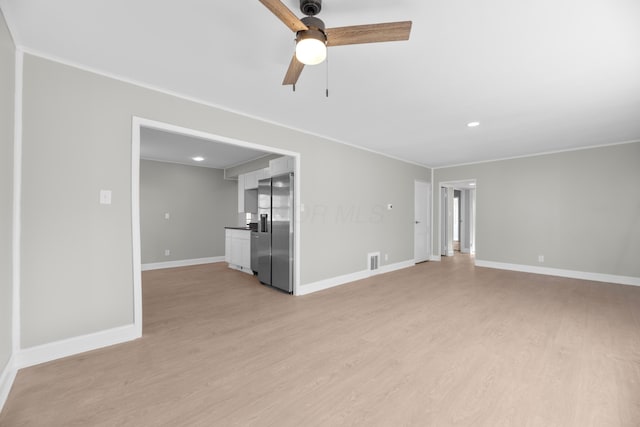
<point x="473" y="184"/>
<point x="473" y="124"/>
<point x="198" y="158"/>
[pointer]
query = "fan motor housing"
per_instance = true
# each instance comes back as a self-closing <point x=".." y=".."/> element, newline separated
<point x="310" y="7"/>
<point x="313" y="23"/>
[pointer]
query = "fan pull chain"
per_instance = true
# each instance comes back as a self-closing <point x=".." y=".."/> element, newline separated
<point x="294" y="52"/>
<point x="327" y="61"/>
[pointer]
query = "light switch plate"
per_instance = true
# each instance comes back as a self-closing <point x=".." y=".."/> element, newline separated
<point x="105" y="197"/>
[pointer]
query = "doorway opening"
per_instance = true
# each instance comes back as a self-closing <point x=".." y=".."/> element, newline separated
<point x="141" y="125"/>
<point x="457" y="220"/>
<point x="457" y="217"/>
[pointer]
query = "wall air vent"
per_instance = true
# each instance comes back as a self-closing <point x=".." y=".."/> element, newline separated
<point x="373" y="261"/>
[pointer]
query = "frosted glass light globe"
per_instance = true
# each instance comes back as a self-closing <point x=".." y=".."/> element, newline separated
<point x="311" y="51"/>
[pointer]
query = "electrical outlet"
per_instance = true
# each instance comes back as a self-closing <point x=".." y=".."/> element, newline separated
<point x="167" y="215"/>
<point x="386" y="257"/>
<point x="167" y="252"/>
<point x="540" y="258"/>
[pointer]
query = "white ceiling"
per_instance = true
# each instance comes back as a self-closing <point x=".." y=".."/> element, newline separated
<point x="540" y="76"/>
<point x="175" y="148"/>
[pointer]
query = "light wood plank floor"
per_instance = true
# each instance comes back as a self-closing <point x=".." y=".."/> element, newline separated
<point x="439" y="344"/>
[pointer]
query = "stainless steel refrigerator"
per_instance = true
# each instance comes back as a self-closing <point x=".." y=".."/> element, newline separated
<point x="275" y="232"/>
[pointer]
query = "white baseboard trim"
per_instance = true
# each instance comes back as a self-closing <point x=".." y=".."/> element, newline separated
<point x="71" y="346"/>
<point x="181" y="263"/>
<point x="573" y="274"/>
<point x="435" y="258"/>
<point x="351" y="277"/>
<point x="7" y="376"/>
<point x="393" y="267"/>
<point x="332" y="282"/>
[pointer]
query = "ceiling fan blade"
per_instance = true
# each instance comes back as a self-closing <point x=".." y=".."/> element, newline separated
<point x="372" y="33"/>
<point x="293" y="73"/>
<point x="284" y="14"/>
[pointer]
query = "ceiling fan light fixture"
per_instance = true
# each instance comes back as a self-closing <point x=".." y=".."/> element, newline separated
<point x="313" y="38"/>
<point x="311" y="47"/>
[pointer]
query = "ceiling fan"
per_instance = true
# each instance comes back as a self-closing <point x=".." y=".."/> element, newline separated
<point x="312" y="38"/>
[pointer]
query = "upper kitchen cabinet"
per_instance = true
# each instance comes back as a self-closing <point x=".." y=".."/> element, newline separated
<point x="251" y="179"/>
<point x="281" y="165"/>
<point x="248" y="182"/>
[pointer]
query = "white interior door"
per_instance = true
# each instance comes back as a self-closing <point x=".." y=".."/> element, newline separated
<point x="422" y="230"/>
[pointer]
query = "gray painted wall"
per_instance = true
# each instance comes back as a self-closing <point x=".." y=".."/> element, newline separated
<point x="580" y="209"/>
<point x="7" y="89"/>
<point x="77" y="272"/>
<point x="200" y="203"/>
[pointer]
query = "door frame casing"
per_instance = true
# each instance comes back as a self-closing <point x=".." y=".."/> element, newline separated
<point x="139" y="122"/>
<point x="450" y="185"/>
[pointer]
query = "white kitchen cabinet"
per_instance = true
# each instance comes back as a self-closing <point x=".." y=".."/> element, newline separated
<point x="281" y="165"/>
<point x="238" y="249"/>
<point x="241" y="193"/>
<point x="227" y="246"/>
<point x="263" y="173"/>
<point x="251" y="179"/>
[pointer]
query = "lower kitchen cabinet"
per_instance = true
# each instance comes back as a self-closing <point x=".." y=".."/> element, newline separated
<point x="237" y="250"/>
